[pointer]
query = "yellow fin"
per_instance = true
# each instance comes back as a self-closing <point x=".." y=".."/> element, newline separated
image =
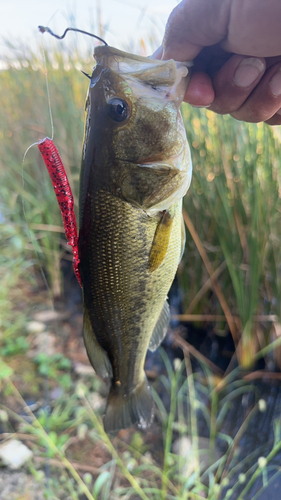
<point x="160" y="241"/>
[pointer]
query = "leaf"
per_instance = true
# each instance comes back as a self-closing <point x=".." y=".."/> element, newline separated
<point x="103" y="477"/>
<point x="5" y="370"/>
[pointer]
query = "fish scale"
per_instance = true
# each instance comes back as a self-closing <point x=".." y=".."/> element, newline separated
<point x="124" y="299"/>
<point x="130" y="243"/>
<point x="113" y="274"/>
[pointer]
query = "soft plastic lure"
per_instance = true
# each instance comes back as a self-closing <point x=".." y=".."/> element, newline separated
<point x="64" y="196"/>
<point x="58" y="175"/>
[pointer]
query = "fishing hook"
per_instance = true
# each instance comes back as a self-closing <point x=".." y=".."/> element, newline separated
<point x="44" y="29"/>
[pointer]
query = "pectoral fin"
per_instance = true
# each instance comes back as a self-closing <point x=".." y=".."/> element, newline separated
<point x="160" y="328"/>
<point x="96" y="354"/>
<point x="160" y="241"/>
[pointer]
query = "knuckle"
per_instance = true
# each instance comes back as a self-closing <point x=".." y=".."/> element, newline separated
<point x="252" y="114"/>
<point x="223" y="108"/>
<point x="274" y="120"/>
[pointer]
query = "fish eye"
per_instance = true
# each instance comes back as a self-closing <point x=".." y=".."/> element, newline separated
<point x="118" y="109"/>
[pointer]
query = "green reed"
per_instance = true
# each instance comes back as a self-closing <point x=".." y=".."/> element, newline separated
<point x="235" y="202"/>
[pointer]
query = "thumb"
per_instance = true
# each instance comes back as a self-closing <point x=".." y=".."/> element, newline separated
<point x="195" y="24"/>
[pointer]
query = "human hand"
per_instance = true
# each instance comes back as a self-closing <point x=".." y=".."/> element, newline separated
<point x="236" y="47"/>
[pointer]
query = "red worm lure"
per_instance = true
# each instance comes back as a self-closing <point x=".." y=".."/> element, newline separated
<point x="64" y="196"/>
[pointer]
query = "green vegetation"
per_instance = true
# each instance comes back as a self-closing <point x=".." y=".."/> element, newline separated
<point x="233" y="218"/>
<point x="129" y="471"/>
<point x="234" y="204"/>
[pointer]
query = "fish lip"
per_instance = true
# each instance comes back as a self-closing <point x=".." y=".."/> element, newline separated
<point x="157" y="158"/>
<point x="155" y="162"/>
<point x="163" y="164"/>
<point x="108" y="50"/>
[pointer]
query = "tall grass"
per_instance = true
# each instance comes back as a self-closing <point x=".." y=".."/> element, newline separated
<point x="27" y="197"/>
<point x="234" y="208"/>
<point x="235" y="203"/>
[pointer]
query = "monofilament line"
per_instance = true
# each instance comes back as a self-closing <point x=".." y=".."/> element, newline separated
<point x="47" y="89"/>
<point x="36" y="144"/>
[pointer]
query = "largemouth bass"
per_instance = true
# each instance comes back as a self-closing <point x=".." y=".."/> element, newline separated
<point x="136" y="168"/>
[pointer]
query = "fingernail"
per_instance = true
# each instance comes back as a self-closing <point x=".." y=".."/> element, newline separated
<point x="200" y="105"/>
<point x="278" y="112"/>
<point x="275" y="84"/>
<point x="248" y="71"/>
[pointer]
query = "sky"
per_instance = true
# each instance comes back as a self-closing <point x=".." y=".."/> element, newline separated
<point x="125" y="21"/>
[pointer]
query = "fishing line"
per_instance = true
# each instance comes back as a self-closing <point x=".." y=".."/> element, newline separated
<point x="47" y="89"/>
<point x="45" y="29"/>
<point x="46" y="383"/>
<point x="23" y="161"/>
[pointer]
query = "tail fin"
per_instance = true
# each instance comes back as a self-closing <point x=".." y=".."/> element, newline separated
<point x="125" y="410"/>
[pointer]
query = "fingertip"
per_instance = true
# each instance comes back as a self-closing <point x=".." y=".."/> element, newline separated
<point x="200" y="92"/>
<point x="157" y="54"/>
<point x="181" y="52"/>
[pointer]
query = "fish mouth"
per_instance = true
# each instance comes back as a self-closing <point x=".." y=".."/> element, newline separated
<point x="157" y="165"/>
<point x="167" y="79"/>
<point x="108" y="51"/>
<point x="173" y="162"/>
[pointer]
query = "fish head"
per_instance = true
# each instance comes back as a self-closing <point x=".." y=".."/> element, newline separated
<point x="134" y="124"/>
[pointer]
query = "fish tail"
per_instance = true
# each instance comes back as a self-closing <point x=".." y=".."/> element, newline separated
<point x="125" y="410"/>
